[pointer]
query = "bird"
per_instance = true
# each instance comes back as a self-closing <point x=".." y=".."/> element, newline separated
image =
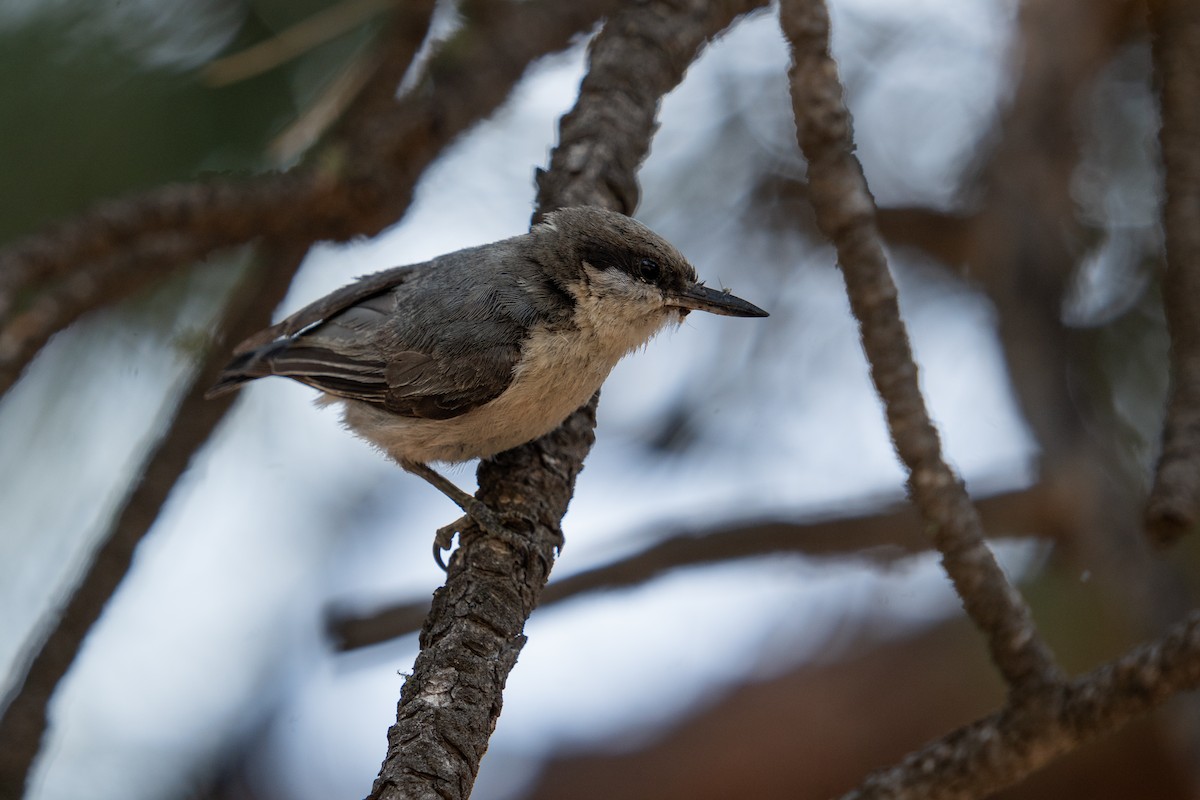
<point x="486" y="348"/>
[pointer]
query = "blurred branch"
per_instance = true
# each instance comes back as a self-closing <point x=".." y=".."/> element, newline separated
<point x="606" y="136"/>
<point x="845" y="213"/>
<point x="999" y="750"/>
<point x="1174" y="504"/>
<point x="107" y="280"/>
<point x="210" y="215"/>
<point x="23" y="720"/>
<point x="744" y="740"/>
<point x="1045" y="511"/>
<point x="784" y="202"/>
<point x="471" y="639"/>
<point x="1028" y="240"/>
<point x="358" y="185"/>
<point x="1027" y="237"/>
<point x="944" y="235"/>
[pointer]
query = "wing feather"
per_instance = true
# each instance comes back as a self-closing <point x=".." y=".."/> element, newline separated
<point x="367" y="343"/>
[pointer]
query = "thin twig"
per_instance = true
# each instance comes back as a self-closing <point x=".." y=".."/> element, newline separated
<point x="845" y="213"/>
<point x="471" y="639"/>
<point x="1174" y="505"/>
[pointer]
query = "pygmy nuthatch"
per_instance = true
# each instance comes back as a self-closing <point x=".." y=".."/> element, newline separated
<point x="487" y="348"/>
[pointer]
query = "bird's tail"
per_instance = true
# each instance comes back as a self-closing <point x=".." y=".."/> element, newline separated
<point x="244" y="368"/>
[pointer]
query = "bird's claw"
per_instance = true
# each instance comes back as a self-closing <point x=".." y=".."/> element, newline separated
<point x="444" y="538"/>
<point x="483" y="516"/>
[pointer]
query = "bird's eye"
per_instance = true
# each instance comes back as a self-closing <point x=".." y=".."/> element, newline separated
<point x="649" y="270"/>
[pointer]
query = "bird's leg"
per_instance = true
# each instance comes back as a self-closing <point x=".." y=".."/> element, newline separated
<point x="474" y="508"/>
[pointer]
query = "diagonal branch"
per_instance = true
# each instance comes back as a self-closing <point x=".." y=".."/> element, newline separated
<point x="23" y="720"/>
<point x="846" y="214"/>
<point x="105" y="281"/>
<point x="471" y="639"/>
<point x="212" y="214"/>
<point x="1174" y="505"/>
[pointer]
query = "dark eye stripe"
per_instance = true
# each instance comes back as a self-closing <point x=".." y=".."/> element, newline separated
<point x="646" y="268"/>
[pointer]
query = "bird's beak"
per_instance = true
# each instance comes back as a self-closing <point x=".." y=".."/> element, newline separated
<point x="701" y="298"/>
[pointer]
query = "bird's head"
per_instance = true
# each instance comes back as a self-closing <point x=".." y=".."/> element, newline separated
<point x="616" y="260"/>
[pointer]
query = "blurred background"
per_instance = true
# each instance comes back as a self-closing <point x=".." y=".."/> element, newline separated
<point x="744" y="605"/>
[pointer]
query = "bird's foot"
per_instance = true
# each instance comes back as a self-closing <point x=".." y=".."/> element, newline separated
<point x="475" y="509"/>
<point x="483" y="516"/>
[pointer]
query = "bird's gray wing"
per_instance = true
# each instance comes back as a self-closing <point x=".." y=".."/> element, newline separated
<point x="428" y="350"/>
<point x="411" y="383"/>
<point x="333" y="303"/>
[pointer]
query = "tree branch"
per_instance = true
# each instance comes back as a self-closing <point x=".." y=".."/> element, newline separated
<point x="106" y="280"/>
<point x="298" y="39"/>
<point x="212" y="214"/>
<point x="845" y="213"/>
<point x="1174" y="504"/>
<point x="471" y="639"/>
<point x="997" y="751"/>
